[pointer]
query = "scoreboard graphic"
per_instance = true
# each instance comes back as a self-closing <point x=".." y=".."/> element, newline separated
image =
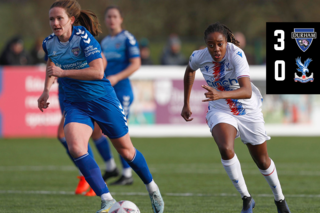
<point x="293" y="59"/>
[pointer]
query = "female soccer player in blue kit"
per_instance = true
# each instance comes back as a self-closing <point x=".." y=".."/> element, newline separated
<point x="123" y="56"/>
<point x="233" y="111"/>
<point x="75" y="57"/>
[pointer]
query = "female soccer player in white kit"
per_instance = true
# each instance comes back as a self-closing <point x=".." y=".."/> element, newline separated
<point x="233" y="111"/>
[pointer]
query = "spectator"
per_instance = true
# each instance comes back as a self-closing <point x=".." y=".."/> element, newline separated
<point x="14" y="54"/>
<point x="37" y="54"/>
<point x="145" y="52"/>
<point x="242" y="39"/>
<point x="171" y="54"/>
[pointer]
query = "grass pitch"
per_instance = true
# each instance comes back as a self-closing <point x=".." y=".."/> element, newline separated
<point x="37" y="176"/>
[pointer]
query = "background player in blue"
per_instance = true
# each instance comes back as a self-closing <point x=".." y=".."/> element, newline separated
<point x="75" y="57"/>
<point x="122" y="53"/>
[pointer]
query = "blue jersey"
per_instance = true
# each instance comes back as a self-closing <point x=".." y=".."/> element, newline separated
<point x="81" y="49"/>
<point x="118" y="51"/>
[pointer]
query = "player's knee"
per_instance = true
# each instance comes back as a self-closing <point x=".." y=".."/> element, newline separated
<point x="263" y="163"/>
<point x="76" y="151"/>
<point x="226" y="152"/>
<point x="127" y="154"/>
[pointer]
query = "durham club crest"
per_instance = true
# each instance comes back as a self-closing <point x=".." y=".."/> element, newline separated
<point x="304" y="37"/>
<point x="303" y="68"/>
<point x="75" y="51"/>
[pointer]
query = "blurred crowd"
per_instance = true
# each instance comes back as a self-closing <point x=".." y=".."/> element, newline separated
<point x="14" y="52"/>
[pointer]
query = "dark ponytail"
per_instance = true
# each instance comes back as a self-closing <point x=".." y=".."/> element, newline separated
<point x="221" y="28"/>
<point x="90" y="21"/>
<point x="84" y="18"/>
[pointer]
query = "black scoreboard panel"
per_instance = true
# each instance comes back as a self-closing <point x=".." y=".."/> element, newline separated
<point x="293" y="58"/>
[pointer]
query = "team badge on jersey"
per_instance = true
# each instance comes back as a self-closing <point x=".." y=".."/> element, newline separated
<point x="76" y="51"/>
<point x="304" y="37"/>
<point x="303" y="68"/>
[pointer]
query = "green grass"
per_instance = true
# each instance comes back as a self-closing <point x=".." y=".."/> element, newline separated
<point x="178" y="165"/>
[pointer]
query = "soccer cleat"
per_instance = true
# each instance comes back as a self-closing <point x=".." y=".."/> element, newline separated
<point x="282" y="206"/>
<point x="83" y="186"/>
<point x="106" y="205"/>
<point x="157" y="202"/>
<point x="123" y="181"/>
<point x="248" y="204"/>
<point x="113" y="173"/>
<point x="90" y="193"/>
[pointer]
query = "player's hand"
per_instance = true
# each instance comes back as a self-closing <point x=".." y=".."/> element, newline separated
<point x="211" y="94"/>
<point x="42" y="101"/>
<point x="55" y="71"/>
<point x="186" y="113"/>
<point x="113" y="79"/>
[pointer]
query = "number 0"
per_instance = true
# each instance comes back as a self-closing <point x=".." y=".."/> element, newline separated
<point x="281" y="39"/>
<point x="276" y="71"/>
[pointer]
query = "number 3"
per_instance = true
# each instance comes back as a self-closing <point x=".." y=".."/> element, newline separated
<point x="281" y="39"/>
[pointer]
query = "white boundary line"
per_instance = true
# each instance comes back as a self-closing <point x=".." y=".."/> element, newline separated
<point x="177" y="170"/>
<point x="146" y="194"/>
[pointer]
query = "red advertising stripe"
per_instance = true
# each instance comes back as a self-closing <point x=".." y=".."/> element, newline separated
<point x="21" y="88"/>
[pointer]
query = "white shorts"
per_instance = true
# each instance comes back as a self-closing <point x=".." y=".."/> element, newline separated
<point x="250" y="132"/>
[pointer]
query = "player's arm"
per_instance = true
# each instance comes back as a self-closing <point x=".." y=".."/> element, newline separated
<point x="95" y="71"/>
<point x="42" y="101"/>
<point x="241" y="70"/>
<point x="105" y="62"/>
<point x="244" y="92"/>
<point x="92" y="52"/>
<point x="189" y="77"/>
<point x="134" y="65"/>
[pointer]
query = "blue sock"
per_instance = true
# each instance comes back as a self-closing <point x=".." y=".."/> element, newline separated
<point x="64" y="143"/>
<point x="103" y="147"/>
<point x="124" y="163"/>
<point x="139" y="165"/>
<point x="91" y="171"/>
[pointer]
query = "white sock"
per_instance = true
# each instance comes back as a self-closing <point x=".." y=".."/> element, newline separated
<point x="110" y="165"/>
<point x="106" y="196"/>
<point x="234" y="172"/>
<point x="271" y="177"/>
<point x="152" y="187"/>
<point x="127" y="172"/>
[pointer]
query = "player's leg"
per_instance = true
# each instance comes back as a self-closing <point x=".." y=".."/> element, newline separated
<point x="268" y="169"/>
<point x="254" y="135"/>
<point x="82" y="186"/>
<point x="224" y="130"/>
<point x="78" y="129"/>
<point x="112" y="121"/>
<point x="103" y="148"/>
<point x="224" y="135"/>
<point x="138" y="163"/>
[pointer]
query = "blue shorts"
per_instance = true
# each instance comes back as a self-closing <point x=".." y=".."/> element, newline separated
<point x="106" y="111"/>
<point x="126" y="98"/>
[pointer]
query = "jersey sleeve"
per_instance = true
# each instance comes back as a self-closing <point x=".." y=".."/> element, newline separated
<point x="132" y="46"/>
<point x="44" y="47"/>
<point x="193" y="61"/>
<point x="90" y="46"/>
<point x="240" y="64"/>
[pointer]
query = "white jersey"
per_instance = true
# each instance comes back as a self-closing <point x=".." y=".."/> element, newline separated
<point x="223" y="76"/>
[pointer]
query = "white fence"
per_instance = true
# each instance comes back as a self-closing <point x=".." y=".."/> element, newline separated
<point x="280" y="119"/>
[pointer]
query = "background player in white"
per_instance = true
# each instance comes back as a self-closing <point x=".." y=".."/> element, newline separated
<point x="233" y="111"/>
